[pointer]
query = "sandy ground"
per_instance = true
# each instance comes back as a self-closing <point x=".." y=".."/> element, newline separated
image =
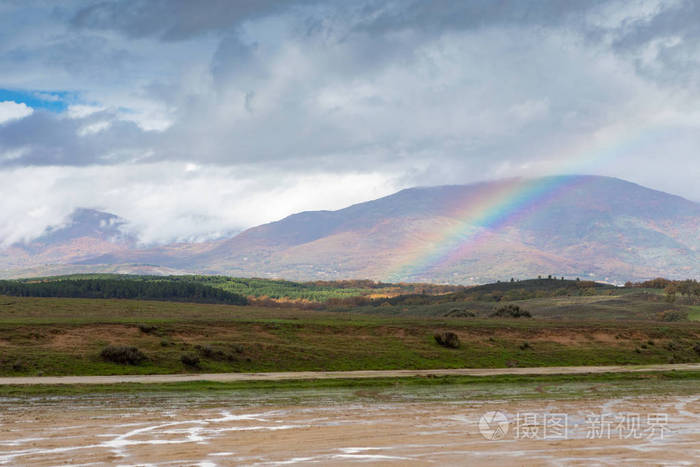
<point x="220" y="432"/>
<point x="298" y="375"/>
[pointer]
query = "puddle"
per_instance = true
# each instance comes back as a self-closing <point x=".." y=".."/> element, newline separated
<point x="337" y="427"/>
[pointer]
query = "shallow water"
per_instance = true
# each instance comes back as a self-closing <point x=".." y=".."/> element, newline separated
<point x="419" y="426"/>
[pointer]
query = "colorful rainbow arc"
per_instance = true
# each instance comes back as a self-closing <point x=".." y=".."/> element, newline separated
<point x="491" y="207"/>
<point x="487" y="208"/>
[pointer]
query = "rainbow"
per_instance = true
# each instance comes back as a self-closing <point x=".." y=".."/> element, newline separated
<point x="486" y="208"/>
<point x="490" y="207"/>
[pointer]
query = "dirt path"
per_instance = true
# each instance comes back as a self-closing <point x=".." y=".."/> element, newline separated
<point x="301" y="375"/>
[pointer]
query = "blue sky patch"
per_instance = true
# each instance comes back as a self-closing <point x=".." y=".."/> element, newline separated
<point x="53" y="101"/>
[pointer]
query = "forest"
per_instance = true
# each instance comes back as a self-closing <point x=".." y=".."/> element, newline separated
<point x="167" y="290"/>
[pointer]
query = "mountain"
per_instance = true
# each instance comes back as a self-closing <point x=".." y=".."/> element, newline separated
<point x="575" y="226"/>
<point x="585" y="226"/>
<point x="88" y="241"/>
<point x="84" y="232"/>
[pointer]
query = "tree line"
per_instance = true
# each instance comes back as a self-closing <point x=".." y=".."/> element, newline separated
<point x="123" y="288"/>
<point x="267" y="292"/>
<point x="689" y="288"/>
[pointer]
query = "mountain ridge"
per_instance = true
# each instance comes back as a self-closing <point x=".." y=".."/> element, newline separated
<point x="577" y="225"/>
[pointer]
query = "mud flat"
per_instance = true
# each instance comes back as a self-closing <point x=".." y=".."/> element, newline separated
<point x="454" y="426"/>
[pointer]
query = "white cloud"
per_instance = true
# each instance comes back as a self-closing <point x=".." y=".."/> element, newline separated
<point x="44" y="96"/>
<point x="10" y="110"/>
<point x="94" y="128"/>
<point x="167" y="202"/>
<point x="13" y="154"/>
<point x="82" y="111"/>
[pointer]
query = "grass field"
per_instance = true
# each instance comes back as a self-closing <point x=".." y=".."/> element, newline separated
<point x="694" y="313"/>
<point x="478" y="387"/>
<point x="614" y="304"/>
<point x="65" y="336"/>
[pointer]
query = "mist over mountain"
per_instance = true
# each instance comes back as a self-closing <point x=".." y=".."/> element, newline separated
<point x="576" y="226"/>
<point x="84" y="233"/>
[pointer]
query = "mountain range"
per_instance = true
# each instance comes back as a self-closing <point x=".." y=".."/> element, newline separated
<point x="583" y="226"/>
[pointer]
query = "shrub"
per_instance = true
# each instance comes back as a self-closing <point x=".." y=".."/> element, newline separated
<point x="147" y="329"/>
<point x="671" y="346"/>
<point x="697" y="348"/>
<point x="215" y="354"/>
<point x="459" y="313"/>
<point x="123" y="354"/>
<point x="673" y="315"/>
<point x="447" y="339"/>
<point x="511" y="311"/>
<point x="189" y="359"/>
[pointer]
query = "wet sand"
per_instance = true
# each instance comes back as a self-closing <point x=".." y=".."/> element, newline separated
<point x="372" y="428"/>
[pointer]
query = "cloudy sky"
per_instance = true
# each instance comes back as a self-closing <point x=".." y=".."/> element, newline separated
<point x="192" y="119"/>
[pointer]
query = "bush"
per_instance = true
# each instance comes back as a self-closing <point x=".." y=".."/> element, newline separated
<point x="511" y="311"/>
<point x="123" y="354"/>
<point x="216" y="354"/>
<point x="673" y="315"/>
<point x="147" y="329"/>
<point x="447" y="339"/>
<point x="189" y="359"/>
<point x="458" y="313"/>
<point x="697" y="348"/>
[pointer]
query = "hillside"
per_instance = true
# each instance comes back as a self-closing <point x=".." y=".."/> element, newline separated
<point x="593" y="227"/>
<point x="74" y="330"/>
<point x="590" y="227"/>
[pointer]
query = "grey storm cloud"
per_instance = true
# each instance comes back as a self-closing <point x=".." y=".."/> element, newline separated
<point x="183" y="19"/>
<point x="47" y="140"/>
<point x="409" y="92"/>
<point x="287" y="81"/>
<point x="173" y="20"/>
